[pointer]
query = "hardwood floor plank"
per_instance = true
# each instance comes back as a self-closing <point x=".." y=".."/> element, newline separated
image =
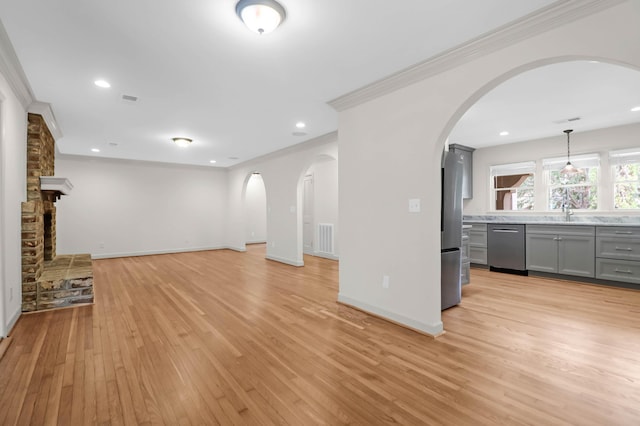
<point x="222" y="337"/>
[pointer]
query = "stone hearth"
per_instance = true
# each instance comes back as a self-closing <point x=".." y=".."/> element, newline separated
<point x="48" y="281"/>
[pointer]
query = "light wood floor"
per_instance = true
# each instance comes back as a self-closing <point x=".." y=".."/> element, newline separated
<point x="231" y="338"/>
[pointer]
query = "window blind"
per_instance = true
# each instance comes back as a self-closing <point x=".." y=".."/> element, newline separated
<point x="513" y="169"/>
<point x="583" y="161"/>
<point x="624" y="156"/>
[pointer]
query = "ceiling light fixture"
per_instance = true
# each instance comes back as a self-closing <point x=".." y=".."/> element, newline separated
<point x="300" y="125"/>
<point x="505" y="133"/>
<point x="102" y="83"/>
<point x="635" y="109"/>
<point x="95" y="150"/>
<point x="182" y="142"/>
<point x="261" y="16"/>
<point x="568" y="169"/>
<point x="212" y="161"/>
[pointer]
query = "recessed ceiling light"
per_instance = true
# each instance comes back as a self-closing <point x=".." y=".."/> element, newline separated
<point x="212" y="161"/>
<point x="102" y="83"/>
<point x="300" y="125"/>
<point x="182" y="142"/>
<point x="635" y="109"/>
<point x="504" y="133"/>
<point x="95" y="150"/>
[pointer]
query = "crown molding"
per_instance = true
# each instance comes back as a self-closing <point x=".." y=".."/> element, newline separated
<point x="555" y="15"/>
<point x="44" y="109"/>
<point x="311" y="143"/>
<point x="11" y="69"/>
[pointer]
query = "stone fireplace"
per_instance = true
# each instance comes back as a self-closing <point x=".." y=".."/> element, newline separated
<point x="48" y="281"/>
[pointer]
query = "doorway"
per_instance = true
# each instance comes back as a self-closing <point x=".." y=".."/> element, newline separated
<point x="255" y="202"/>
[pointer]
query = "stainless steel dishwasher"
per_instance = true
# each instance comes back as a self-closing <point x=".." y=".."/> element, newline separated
<point x="506" y="247"/>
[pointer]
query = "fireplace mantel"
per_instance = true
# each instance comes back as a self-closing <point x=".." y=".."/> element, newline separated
<point x="57" y="185"/>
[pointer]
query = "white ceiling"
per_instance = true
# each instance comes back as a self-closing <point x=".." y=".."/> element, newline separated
<point x="199" y="73"/>
<point x="537" y="104"/>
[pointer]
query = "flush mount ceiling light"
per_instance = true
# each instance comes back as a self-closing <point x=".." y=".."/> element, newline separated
<point x="261" y="16"/>
<point x="102" y="83"/>
<point x="182" y="142"/>
<point x="569" y="169"/>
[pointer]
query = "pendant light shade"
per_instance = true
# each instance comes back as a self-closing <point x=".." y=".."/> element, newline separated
<point x="261" y="16"/>
<point x="182" y="142"/>
<point x="569" y="169"/>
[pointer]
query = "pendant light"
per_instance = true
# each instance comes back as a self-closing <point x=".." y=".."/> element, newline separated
<point x="569" y="169"/>
<point x="261" y="16"/>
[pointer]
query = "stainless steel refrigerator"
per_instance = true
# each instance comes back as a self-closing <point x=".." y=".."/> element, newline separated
<point x="451" y="229"/>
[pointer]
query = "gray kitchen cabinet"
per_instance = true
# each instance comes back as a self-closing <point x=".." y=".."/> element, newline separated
<point x="618" y="253"/>
<point x="467" y="174"/>
<point x="561" y="249"/>
<point x="478" y="243"/>
<point x="464" y="256"/>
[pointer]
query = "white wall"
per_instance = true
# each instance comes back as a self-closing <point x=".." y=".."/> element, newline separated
<point x="256" y="210"/>
<point x="282" y="173"/>
<point x="325" y="199"/>
<point x="13" y="164"/>
<point x="597" y="141"/>
<point x="401" y="135"/>
<point x="122" y="208"/>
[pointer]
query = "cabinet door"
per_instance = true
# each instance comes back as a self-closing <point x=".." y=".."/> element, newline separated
<point x="542" y="252"/>
<point x="576" y="255"/>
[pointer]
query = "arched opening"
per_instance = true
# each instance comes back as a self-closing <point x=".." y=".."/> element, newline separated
<point x="318" y="208"/>
<point x="515" y="123"/>
<point x="255" y="207"/>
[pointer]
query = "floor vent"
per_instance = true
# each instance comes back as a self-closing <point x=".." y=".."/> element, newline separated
<point x="325" y="238"/>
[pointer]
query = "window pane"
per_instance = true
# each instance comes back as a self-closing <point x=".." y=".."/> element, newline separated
<point x="513" y="181"/>
<point x="589" y="175"/>
<point x="525" y="199"/>
<point x="626" y="172"/>
<point x="577" y="197"/>
<point x="627" y="196"/>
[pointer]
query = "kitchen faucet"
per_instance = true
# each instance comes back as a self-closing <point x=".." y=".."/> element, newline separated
<point x="566" y="208"/>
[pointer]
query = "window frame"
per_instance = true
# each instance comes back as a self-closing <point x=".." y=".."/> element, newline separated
<point x="525" y="167"/>
<point x="583" y="161"/>
<point x="617" y="158"/>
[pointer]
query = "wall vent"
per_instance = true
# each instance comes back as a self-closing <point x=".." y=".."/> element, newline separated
<point x="325" y="238"/>
<point x="129" y="98"/>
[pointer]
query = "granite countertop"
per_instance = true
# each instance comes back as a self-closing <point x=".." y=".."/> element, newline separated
<point x="555" y="220"/>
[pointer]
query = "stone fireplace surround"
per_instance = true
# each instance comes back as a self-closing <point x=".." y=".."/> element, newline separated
<point x="48" y="281"/>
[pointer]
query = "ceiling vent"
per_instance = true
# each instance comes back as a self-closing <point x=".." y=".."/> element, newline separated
<point x="568" y="120"/>
<point x="129" y="98"/>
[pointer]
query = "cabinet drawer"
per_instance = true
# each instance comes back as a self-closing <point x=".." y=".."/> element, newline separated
<point x="477" y="226"/>
<point x="464" y="273"/>
<point x="464" y="252"/>
<point x="477" y="238"/>
<point x="618" y="270"/>
<point x="561" y="229"/>
<point x="618" y="231"/>
<point x="618" y="248"/>
<point x="478" y="255"/>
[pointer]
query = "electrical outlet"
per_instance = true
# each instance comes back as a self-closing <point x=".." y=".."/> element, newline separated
<point x="385" y="281"/>
<point x="101" y="244"/>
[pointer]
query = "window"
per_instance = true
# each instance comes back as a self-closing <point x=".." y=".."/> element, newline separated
<point x="512" y="186"/>
<point x="626" y="169"/>
<point x="579" y="190"/>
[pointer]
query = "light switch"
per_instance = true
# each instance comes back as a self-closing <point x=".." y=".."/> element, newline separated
<point x="414" y="205"/>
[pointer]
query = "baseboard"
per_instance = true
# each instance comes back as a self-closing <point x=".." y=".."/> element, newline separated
<point x="433" y="330"/>
<point x="284" y="260"/>
<point x="234" y="248"/>
<point x="256" y="242"/>
<point x="153" y="252"/>
<point x="13" y="320"/>
<point x="324" y="255"/>
<point x="4" y="345"/>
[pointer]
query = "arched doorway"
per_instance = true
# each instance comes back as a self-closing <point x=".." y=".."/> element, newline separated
<point x="255" y="207"/>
